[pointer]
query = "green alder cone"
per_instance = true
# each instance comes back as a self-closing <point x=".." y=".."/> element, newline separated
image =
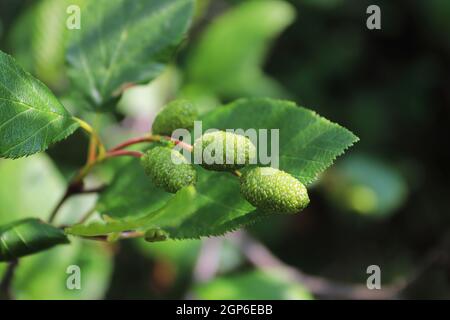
<point x="178" y="114"/>
<point x="273" y="190"/>
<point x="224" y="151"/>
<point x="159" y="165"/>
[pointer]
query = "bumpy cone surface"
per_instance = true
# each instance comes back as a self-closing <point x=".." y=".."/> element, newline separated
<point x="159" y="166"/>
<point x="273" y="190"/>
<point x="224" y="151"/>
<point x="178" y="114"/>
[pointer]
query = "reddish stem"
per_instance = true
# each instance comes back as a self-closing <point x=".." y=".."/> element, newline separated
<point x="119" y="153"/>
<point x="184" y="145"/>
<point x="133" y="141"/>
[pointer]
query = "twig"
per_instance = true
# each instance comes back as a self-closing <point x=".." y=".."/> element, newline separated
<point x="122" y="236"/>
<point x="261" y="257"/>
<point x="93" y="190"/>
<point x="180" y="143"/>
<point x="5" y="284"/>
<point x="152" y="138"/>
<point x="431" y="258"/>
<point x="118" y="153"/>
<point x="92" y="149"/>
<point x="74" y="187"/>
<point x="94" y="141"/>
<point x="135" y="141"/>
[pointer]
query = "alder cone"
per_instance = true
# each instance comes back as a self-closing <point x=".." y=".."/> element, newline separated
<point x="273" y="190"/>
<point x="178" y="114"/>
<point x="224" y="151"/>
<point x="159" y="165"/>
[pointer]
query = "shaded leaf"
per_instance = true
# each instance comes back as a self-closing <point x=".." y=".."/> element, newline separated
<point x="28" y="236"/>
<point x="31" y="118"/>
<point x="122" y="43"/>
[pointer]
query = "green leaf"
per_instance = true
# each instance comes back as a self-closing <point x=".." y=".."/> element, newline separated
<point x="131" y="193"/>
<point x="216" y="209"/>
<point x="120" y="44"/>
<point x="28" y="236"/>
<point x="235" y="70"/>
<point x="219" y="208"/>
<point x="175" y="210"/>
<point x="254" y="285"/>
<point x="308" y="143"/>
<point x="31" y="118"/>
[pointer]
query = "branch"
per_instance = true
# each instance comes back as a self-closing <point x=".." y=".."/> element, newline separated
<point x="262" y="258"/>
<point x="74" y="187"/>
<point x="5" y="284"/>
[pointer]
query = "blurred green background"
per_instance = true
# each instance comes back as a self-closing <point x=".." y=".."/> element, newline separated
<point x="384" y="203"/>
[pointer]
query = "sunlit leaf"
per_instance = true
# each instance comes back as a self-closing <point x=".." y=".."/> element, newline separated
<point x="31" y="118"/>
